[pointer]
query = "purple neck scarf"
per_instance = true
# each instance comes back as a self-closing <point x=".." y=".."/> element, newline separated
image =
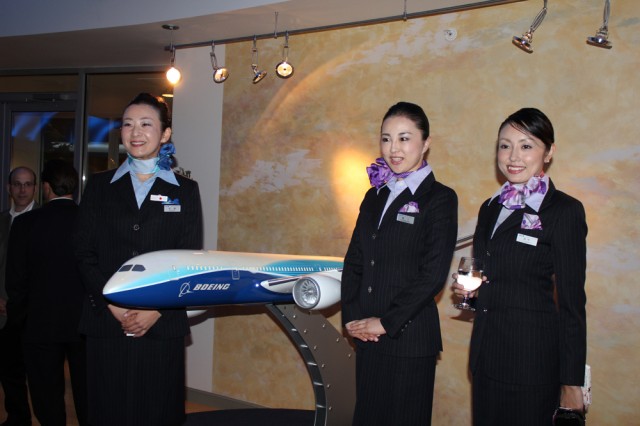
<point x="380" y="173"/>
<point x="515" y="198"/>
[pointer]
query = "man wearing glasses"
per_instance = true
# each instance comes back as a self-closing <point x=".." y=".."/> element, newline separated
<point x="22" y="189"/>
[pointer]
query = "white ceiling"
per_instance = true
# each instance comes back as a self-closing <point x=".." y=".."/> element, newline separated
<point x="46" y="34"/>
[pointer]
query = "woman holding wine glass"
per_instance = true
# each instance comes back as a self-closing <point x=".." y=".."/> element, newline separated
<point x="528" y="345"/>
<point x="397" y="262"/>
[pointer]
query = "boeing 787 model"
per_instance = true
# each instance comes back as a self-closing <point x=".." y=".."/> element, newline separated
<point x="188" y="279"/>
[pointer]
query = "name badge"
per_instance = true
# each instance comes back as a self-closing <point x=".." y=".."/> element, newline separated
<point x="172" y="208"/>
<point x="159" y="198"/>
<point x="526" y="239"/>
<point x="405" y="218"/>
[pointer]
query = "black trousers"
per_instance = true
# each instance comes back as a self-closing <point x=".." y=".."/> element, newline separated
<point x="45" y="371"/>
<point x="392" y="390"/>
<point x="13" y="376"/>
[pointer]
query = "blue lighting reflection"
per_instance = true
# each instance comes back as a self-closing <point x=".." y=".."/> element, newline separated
<point x="29" y="125"/>
<point x="99" y="129"/>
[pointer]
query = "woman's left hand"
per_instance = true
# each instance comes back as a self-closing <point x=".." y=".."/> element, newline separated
<point x="571" y="397"/>
<point x="138" y="322"/>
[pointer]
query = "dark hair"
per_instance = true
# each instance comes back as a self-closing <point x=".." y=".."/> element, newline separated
<point x="533" y="122"/>
<point x="35" y="178"/>
<point x="156" y="103"/>
<point x="61" y="176"/>
<point x="413" y="112"/>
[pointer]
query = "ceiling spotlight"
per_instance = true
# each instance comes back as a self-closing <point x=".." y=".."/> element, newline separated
<point x="284" y="69"/>
<point x="601" y="37"/>
<point x="257" y="74"/>
<point x="220" y="74"/>
<point x="524" y="42"/>
<point x="173" y="74"/>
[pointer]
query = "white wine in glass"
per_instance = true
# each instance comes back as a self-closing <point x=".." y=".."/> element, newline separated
<point x="470" y="277"/>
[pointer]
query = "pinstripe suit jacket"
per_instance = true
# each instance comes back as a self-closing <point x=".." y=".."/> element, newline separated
<point x="519" y="332"/>
<point x="394" y="271"/>
<point x="111" y="230"/>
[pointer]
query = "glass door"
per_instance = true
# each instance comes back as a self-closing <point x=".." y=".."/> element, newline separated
<point x="35" y="132"/>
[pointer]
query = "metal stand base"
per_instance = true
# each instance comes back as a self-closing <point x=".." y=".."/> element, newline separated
<point x="330" y="362"/>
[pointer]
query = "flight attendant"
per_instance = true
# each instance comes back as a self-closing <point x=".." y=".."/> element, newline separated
<point x="135" y="357"/>
<point x="528" y="347"/>
<point x="397" y="262"/>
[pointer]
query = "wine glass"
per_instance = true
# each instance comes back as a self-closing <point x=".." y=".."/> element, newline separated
<point x="470" y="276"/>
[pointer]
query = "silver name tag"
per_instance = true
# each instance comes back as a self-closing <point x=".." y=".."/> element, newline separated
<point x="405" y="218"/>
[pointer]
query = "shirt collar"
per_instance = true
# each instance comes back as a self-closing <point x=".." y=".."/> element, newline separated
<point x="166" y="175"/>
<point x="14" y="213"/>
<point x="412" y="181"/>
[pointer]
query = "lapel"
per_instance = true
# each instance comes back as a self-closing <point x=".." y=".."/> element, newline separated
<point x="402" y="199"/>
<point x="548" y="198"/>
<point x="515" y="218"/>
<point x="124" y="191"/>
<point x="159" y="187"/>
<point x="494" y="210"/>
<point x="379" y="203"/>
<point x="5" y="224"/>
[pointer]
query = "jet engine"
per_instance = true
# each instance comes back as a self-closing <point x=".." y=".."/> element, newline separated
<point x="317" y="291"/>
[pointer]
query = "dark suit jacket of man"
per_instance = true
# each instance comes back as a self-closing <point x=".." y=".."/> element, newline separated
<point x="5" y="224"/>
<point x="404" y="264"/>
<point x="5" y="227"/>
<point x="43" y="280"/>
<point x="518" y="332"/>
<point x="111" y="229"/>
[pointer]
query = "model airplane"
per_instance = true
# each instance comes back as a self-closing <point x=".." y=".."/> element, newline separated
<point x="188" y="279"/>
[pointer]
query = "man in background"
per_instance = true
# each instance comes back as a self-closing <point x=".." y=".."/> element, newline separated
<point x="46" y="294"/>
<point x="22" y="189"/>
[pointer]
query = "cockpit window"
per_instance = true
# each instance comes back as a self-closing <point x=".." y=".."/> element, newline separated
<point x="138" y="268"/>
<point x="125" y="268"/>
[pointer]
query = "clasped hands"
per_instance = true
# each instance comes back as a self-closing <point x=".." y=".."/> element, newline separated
<point x="135" y="322"/>
<point x="367" y="329"/>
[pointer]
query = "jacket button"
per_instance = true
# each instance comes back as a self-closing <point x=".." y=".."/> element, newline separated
<point x="373" y="262"/>
<point x="488" y="254"/>
<point x="369" y="289"/>
<point x="136" y="227"/>
<point x="373" y="236"/>
<point x="485" y="310"/>
<point x="134" y="253"/>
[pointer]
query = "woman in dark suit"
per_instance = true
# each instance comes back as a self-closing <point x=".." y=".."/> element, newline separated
<point x="136" y="357"/>
<point x="397" y="262"/>
<point x="528" y="346"/>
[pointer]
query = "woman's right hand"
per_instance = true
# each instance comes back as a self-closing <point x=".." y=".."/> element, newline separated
<point x="367" y="330"/>
<point x="458" y="288"/>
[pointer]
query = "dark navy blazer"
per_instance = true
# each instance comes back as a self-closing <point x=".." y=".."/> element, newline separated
<point x="520" y="334"/>
<point x="395" y="271"/>
<point x="111" y="229"/>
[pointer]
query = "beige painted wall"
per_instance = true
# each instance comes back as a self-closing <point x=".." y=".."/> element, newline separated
<point x="294" y="154"/>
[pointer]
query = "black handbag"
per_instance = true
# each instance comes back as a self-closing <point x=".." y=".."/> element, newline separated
<point x="568" y="417"/>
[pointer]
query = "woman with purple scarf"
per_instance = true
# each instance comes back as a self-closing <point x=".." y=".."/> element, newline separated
<point x="397" y="262"/>
<point x="528" y="346"/>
